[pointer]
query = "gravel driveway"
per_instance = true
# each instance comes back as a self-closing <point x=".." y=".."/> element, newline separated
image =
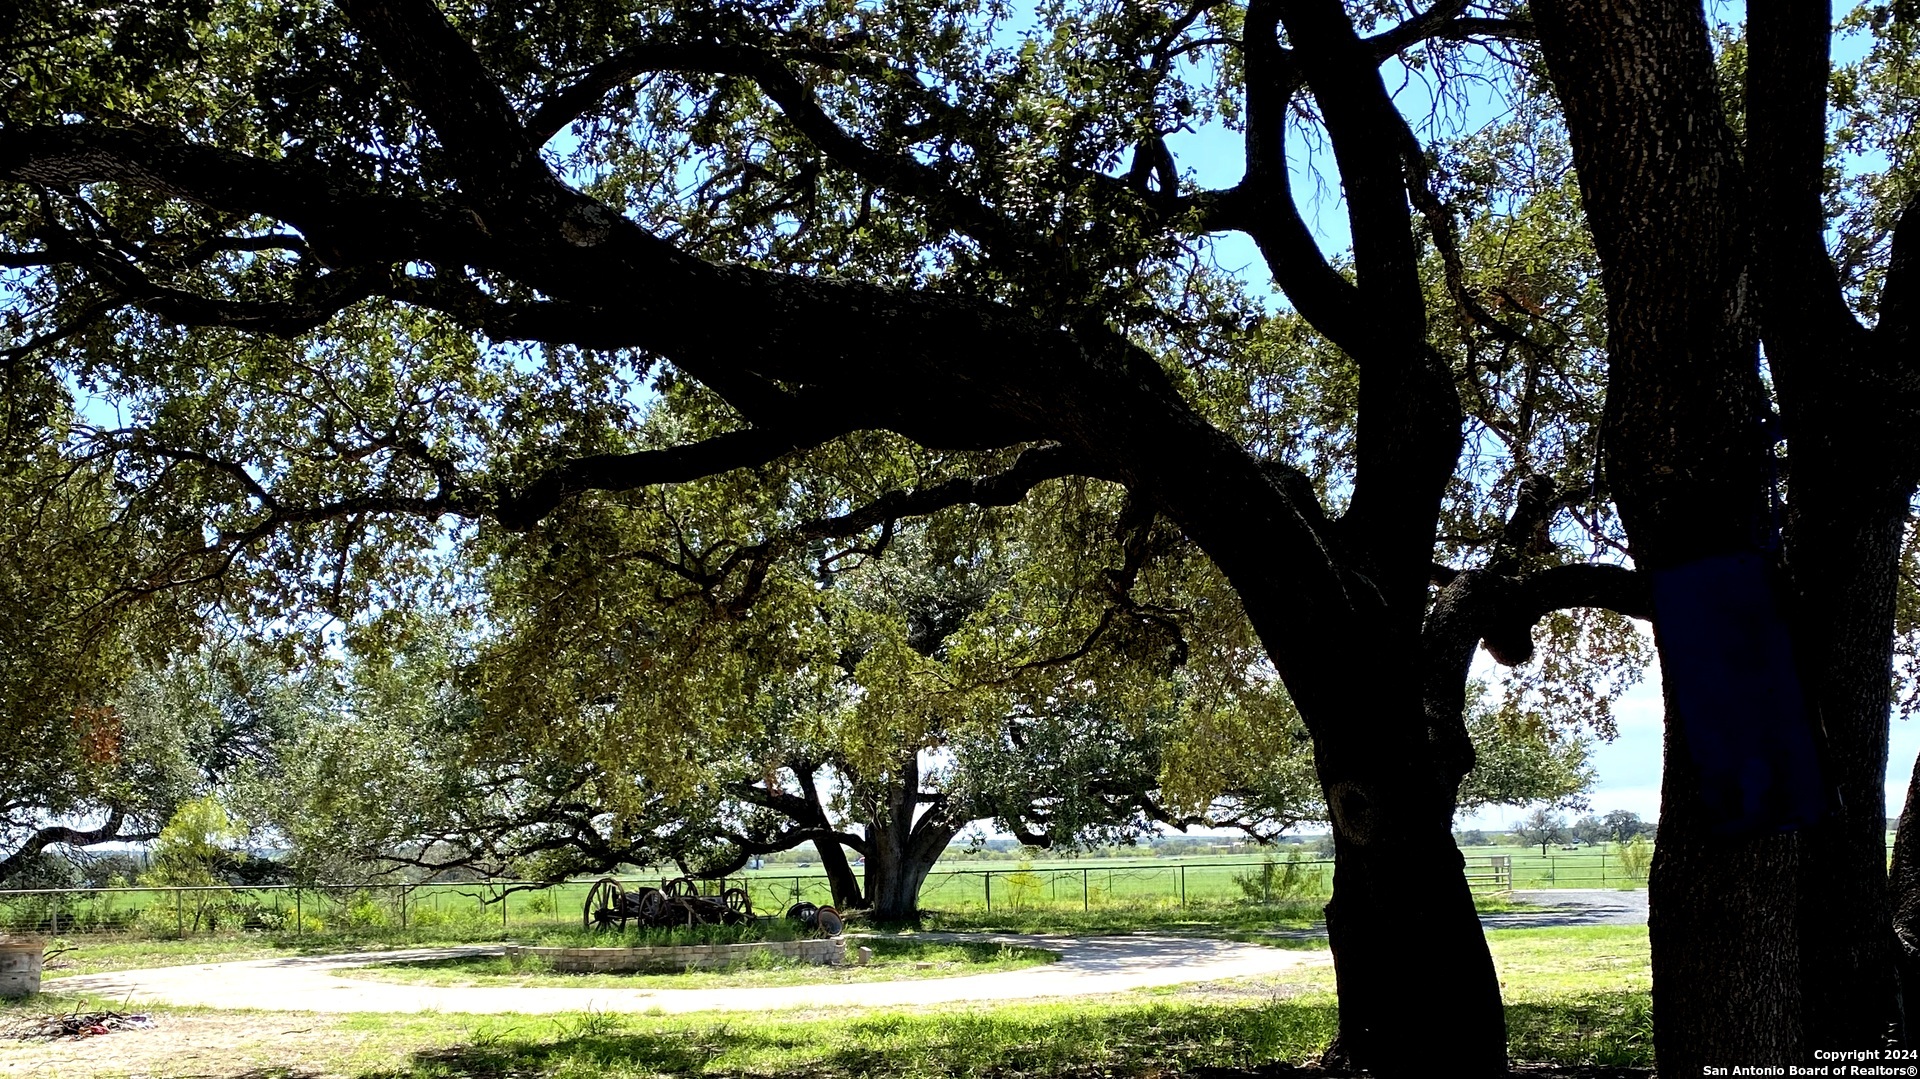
<point x="1569" y="906"/>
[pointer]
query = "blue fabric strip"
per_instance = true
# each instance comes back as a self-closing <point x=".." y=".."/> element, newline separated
<point x="1727" y="658"/>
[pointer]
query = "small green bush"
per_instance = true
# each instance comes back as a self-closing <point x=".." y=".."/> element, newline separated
<point x="1274" y="881"/>
<point x="1635" y="856"/>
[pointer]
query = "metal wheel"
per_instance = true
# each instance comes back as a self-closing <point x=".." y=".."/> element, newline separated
<point x="652" y="908"/>
<point x="804" y="913"/>
<point x="605" y="907"/>
<point x="828" y="921"/>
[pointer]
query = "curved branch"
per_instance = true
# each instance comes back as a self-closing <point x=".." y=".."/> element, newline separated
<point x="1033" y="467"/>
<point x="1802" y="305"/>
<point x="342" y="227"/>
<point x="478" y="128"/>
<point x="896" y="172"/>
<point x="522" y="509"/>
<point x="60" y="835"/>
<point x="1263" y="206"/>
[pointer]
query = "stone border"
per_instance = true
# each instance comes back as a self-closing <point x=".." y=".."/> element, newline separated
<point x="20" y="963"/>
<point x="832" y="950"/>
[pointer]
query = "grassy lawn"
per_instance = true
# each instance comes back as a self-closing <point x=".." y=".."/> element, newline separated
<point x="96" y="955"/>
<point x="470" y="912"/>
<point x="1577" y="996"/>
<point x="1235" y="920"/>
<point x="1238" y="921"/>
<point x="893" y="960"/>
<point x="1574" y="996"/>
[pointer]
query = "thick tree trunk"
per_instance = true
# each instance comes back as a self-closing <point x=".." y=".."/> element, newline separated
<point x="1726" y="966"/>
<point x="893" y="885"/>
<point x="840" y="876"/>
<point x="1845" y="551"/>
<point x="1905" y="887"/>
<point x="1660" y="176"/>
<point x="903" y="842"/>
<point x="1850" y="490"/>
<point x="1410" y="958"/>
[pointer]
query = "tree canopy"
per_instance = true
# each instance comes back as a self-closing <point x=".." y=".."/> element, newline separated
<point x="675" y="305"/>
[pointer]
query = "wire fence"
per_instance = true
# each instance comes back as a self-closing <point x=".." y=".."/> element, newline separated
<point x="500" y="908"/>
<point x="1596" y="870"/>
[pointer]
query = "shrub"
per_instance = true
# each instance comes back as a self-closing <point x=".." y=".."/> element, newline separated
<point x="1634" y="856"/>
<point x="366" y="914"/>
<point x="1276" y="881"/>
<point x="1021" y="887"/>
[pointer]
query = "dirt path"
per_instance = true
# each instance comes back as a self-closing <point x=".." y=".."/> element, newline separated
<point x="1087" y="965"/>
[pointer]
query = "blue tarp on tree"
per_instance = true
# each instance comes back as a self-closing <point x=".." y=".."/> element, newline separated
<point x="1727" y="659"/>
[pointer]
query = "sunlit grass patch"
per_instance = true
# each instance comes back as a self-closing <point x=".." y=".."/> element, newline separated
<point x="893" y="959"/>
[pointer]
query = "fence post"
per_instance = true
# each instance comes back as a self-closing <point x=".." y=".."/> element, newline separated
<point x="503" y="910"/>
<point x="179" y="914"/>
<point x="987" y="879"/>
<point x="1086" y="903"/>
<point x="299" y="921"/>
<point x="403" y="907"/>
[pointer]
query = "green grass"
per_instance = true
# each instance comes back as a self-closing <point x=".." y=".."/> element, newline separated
<point x="473" y="912"/>
<point x="1234" y="920"/>
<point x="1128" y="918"/>
<point x="1587" y="867"/>
<point x="1577" y="995"/>
<point x="1574" y="996"/>
<point x="1030" y="1040"/>
<point x="893" y="959"/>
<point x="96" y="955"/>
<point x="1220" y="918"/>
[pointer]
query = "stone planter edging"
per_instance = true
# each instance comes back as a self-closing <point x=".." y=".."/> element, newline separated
<point x="20" y="961"/>
<point x="678" y="957"/>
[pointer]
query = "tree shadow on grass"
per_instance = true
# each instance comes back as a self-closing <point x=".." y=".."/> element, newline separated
<point x="1158" y="1040"/>
<point x="1588" y="1036"/>
<point x="1607" y="1029"/>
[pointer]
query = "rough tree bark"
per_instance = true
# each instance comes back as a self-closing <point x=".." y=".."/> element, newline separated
<point x="1847" y="420"/>
<point x="1659" y="179"/>
<point x="1766" y="948"/>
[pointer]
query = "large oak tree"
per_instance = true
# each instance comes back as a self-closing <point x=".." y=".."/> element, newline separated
<point x="1765" y="948"/>
<point x="840" y="222"/>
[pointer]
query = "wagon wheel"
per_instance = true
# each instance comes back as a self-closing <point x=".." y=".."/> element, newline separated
<point x="804" y="913"/>
<point x="828" y="921"/>
<point x="678" y="887"/>
<point x="738" y="901"/>
<point x="652" y="907"/>
<point x="605" y="905"/>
